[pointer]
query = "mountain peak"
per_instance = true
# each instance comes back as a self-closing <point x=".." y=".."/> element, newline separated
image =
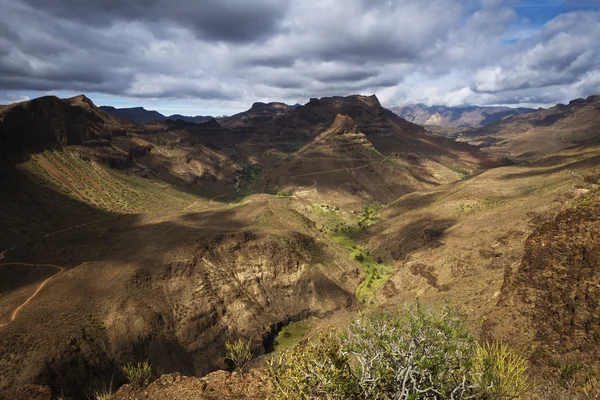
<point x="343" y="124"/>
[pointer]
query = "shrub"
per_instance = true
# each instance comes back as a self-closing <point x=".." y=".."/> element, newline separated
<point x="359" y="256"/>
<point x="138" y="374"/>
<point x="239" y="353"/>
<point x="422" y="353"/>
<point x="101" y="395"/>
<point x="501" y="372"/>
<point x="317" y="369"/>
<point x="103" y="392"/>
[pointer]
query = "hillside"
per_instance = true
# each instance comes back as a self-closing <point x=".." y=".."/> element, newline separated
<point x="126" y="219"/>
<point x="456" y="117"/>
<point x="535" y="135"/>
<point x="298" y="144"/>
<point x="126" y="242"/>
<point x="257" y="114"/>
<point x="49" y="121"/>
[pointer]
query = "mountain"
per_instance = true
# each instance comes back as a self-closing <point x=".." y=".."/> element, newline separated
<point x="535" y="135"/>
<point x="456" y="117"/>
<point x="124" y="242"/>
<point x="141" y="116"/>
<point x="136" y="114"/>
<point x="49" y="121"/>
<point x="197" y="119"/>
<point x="381" y="158"/>
<point x="257" y="114"/>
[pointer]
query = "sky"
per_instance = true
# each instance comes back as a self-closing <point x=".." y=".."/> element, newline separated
<point x="217" y="57"/>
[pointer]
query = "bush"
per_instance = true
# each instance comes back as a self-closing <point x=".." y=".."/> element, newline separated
<point x="501" y="371"/>
<point x="138" y="374"/>
<point x="317" y="369"/>
<point x="422" y="353"/>
<point x="239" y="353"/>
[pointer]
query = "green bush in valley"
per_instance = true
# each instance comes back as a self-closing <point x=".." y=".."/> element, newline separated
<point x="421" y="353"/>
<point x="368" y="216"/>
<point x="138" y="374"/>
<point x="239" y="353"/>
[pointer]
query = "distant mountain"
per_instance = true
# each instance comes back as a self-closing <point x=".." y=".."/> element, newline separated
<point x="456" y="117"/>
<point x="197" y="119"/>
<point x="135" y="114"/>
<point x="257" y="114"/>
<point x="547" y="130"/>
<point x="141" y="116"/>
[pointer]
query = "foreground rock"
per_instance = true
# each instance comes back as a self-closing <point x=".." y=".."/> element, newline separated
<point x="219" y="385"/>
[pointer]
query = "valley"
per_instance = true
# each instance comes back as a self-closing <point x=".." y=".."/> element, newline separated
<point x="124" y="242"/>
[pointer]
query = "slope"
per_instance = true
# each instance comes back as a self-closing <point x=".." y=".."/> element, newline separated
<point x="419" y="159"/>
<point x="457" y="242"/>
<point x="533" y="136"/>
<point x="342" y="161"/>
<point x="152" y="270"/>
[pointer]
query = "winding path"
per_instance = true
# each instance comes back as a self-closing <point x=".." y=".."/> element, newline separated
<point x="16" y="311"/>
<point x="331" y="170"/>
<point x="60" y="269"/>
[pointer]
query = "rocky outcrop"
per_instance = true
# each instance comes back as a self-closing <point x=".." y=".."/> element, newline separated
<point x="554" y="291"/>
<point x="254" y="385"/>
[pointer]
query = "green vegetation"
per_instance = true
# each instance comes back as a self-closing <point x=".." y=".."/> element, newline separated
<point x="368" y="216"/>
<point x="284" y="193"/>
<point x="502" y="370"/>
<point x="376" y="274"/>
<point x="332" y="221"/>
<point x="138" y="374"/>
<point x="421" y="353"/>
<point x="249" y="174"/>
<point x="290" y="335"/>
<point x="239" y="353"/>
<point x="462" y="173"/>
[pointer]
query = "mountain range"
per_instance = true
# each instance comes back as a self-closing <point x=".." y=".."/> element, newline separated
<point x="456" y="117"/>
<point x="142" y="116"/>
<point x="161" y="241"/>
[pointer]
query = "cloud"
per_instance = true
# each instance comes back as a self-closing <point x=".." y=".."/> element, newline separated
<point x="221" y="20"/>
<point x="562" y="53"/>
<point x="231" y="53"/>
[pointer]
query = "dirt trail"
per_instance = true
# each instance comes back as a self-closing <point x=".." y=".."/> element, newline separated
<point x="5" y="251"/>
<point x="74" y="227"/>
<point x="314" y="183"/>
<point x="190" y="206"/>
<point x="37" y="291"/>
<point x="332" y="170"/>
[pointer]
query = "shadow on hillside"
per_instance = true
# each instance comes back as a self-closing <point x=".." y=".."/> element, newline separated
<point x="114" y="246"/>
<point x="549" y="119"/>
<point x="411" y="201"/>
<point x="424" y="233"/>
<point x="588" y="162"/>
<point x="14" y="277"/>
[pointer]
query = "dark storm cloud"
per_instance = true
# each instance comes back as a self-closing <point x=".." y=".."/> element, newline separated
<point x="222" y="20"/>
<point x="239" y="51"/>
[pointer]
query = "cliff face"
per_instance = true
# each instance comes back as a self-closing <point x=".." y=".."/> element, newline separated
<point x="173" y="291"/>
<point x="554" y="292"/>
